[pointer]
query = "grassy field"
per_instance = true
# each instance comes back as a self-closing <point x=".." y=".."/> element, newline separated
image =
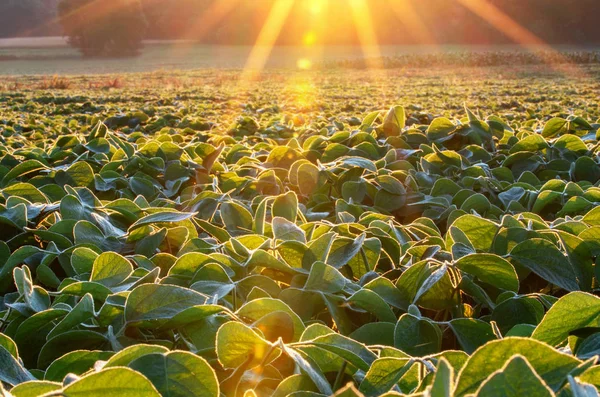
<point x="52" y="56"/>
<point x="423" y="232"/>
<point x="45" y="56"/>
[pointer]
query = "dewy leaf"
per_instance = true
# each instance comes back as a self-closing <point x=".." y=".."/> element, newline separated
<point x="394" y="122"/>
<point x="162" y="217"/>
<point x="551" y="365"/>
<point x="9" y="345"/>
<point x="258" y="308"/>
<point x="355" y="353"/>
<point x="286" y="206"/>
<point x="79" y="174"/>
<point x="294" y="383"/>
<point x="440" y="128"/>
<point x="70" y="341"/>
<point x="178" y="373"/>
<point x="554" y="127"/>
<point x="23" y="168"/>
<point x="383" y="374"/>
<point x="443" y="382"/>
<point x="572" y="312"/>
<point x="110" y="269"/>
<point x="111" y="382"/>
<point x="491" y="269"/>
<point x="308" y="178"/>
<point x="33" y="388"/>
<point x="343" y="250"/>
<point x="417" y="336"/>
<point x="517" y="378"/>
<point x="235" y="217"/>
<point x="83" y="311"/>
<point x="479" y="231"/>
<point x="310" y="368"/>
<point x="580" y="389"/>
<point x="11" y="371"/>
<point x="471" y="333"/>
<point x="285" y="230"/>
<point x="238" y="344"/>
<point x="131" y="353"/>
<point x="152" y="303"/>
<point x="77" y="362"/>
<point x="544" y="259"/>
<point x="325" y="278"/>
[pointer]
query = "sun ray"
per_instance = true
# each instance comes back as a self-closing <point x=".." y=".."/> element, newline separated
<point x="206" y="22"/>
<point x="519" y="34"/>
<point x="363" y="21"/>
<point x="266" y="39"/>
<point x="406" y="13"/>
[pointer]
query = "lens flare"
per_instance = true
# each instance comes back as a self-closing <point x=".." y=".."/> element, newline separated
<point x="304" y="64"/>
<point x="512" y="29"/>
<point x="267" y="38"/>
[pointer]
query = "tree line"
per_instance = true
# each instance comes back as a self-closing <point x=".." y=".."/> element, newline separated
<point x="117" y="27"/>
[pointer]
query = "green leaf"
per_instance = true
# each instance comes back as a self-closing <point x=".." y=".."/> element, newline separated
<point x="11" y="371"/>
<point x="111" y="382"/>
<point x="150" y="304"/>
<point x="285" y="230"/>
<point x="416" y="336"/>
<point x="286" y="206"/>
<point x="440" y="128"/>
<point x="471" y="333"/>
<point x="131" y="353"/>
<point x="79" y="174"/>
<point x="294" y="383"/>
<point x="23" y="168"/>
<point x="516" y="378"/>
<point x="110" y="269"/>
<point x="554" y="127"/>
<point x="384" y="374"/>
<point x="394" y="121"/>
<point x="544" y="259"/>
<point x="310" y="368"/>
<point x="238" y="344"/>
<point x="235" y="217"/>
<point x="531" y="143"/>
<point x="83" y="311"/>
<point x="258" y="308"/>
<point x="551" y="365"/>
<point x="479" y="231"/>
<point x="491" y="269"/>
<point x="580" y="389"/>
<point x="9" y="345"/>
<point x="308" y="178"/>
<point x="34" y="388"/>
<point x="68" y="342"/>
<point x="355" y="353"/>
<point x="343" y="250"/>
<point x="443" y="382"/>
<point x="178" y="373"/>
<point x="572" y="312"/>
<point x="76" y="362"/>
<point x="325" y="278"/>
<point x="162" y="217"/>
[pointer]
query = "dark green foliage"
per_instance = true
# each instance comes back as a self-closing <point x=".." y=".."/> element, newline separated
<point x="338" y="248"/>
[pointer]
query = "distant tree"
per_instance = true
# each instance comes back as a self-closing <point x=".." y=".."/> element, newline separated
<point x="103" y="27"/>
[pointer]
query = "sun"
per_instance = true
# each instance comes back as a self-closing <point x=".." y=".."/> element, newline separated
<point x="316" y="7"/>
